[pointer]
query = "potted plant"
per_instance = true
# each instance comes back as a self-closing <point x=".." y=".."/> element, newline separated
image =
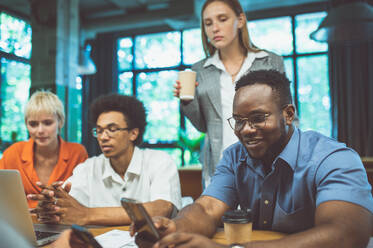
<point x="191" y="146"/>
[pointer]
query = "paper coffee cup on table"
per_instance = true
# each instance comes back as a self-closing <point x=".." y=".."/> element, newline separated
<point x="237" y="226"/>
<point x="188" y="84"/>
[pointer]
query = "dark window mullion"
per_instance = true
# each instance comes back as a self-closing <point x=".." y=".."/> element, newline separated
<point x="134" y="83"/>
<point x="182" y="117"/>
<point x="294" y="56"/>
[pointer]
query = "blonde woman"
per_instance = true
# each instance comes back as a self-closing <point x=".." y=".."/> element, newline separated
<point x="229" y="54"/>
<point x="45" y="157"/>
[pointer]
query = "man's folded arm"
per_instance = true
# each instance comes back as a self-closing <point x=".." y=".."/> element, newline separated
<point x="337" y="224"/>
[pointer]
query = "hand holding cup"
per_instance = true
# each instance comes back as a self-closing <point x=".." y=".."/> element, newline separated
<point x="185" y="85"/>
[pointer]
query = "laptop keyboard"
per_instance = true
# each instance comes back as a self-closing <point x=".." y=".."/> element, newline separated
<point x="42" y="235"/>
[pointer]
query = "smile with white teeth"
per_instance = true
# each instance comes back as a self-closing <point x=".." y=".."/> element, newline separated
<point x="252" y="142"/>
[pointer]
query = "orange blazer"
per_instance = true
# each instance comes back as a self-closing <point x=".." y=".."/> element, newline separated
<point x="20" y="156"/>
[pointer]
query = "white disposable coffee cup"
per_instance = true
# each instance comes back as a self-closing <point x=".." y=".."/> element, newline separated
<point x="188" y="84"/>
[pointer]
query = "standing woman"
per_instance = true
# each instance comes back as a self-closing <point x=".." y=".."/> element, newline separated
<point x="229" y="54"/>
<point x="45" y="157"/>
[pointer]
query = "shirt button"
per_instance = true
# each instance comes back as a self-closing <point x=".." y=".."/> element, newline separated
<point x="265" y="222"/>
<point x="124" y="189"/>
<point x="266" y="202"/>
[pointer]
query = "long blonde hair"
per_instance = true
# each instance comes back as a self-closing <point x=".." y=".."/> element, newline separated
<point x="243" y="33"/>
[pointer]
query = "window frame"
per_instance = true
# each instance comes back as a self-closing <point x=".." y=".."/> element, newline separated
<point x="11" y="57"/>
<point x="295" y="55"/>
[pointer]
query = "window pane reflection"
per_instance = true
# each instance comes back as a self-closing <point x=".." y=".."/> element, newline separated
<point x="125" y="83"/>
<point x="75" y="111"/>
<point x="15" y="36"/>
<point x="191" y="131"/>
<point x="304" y="25"/>
<point x="125" y="54"/>
<point x="272" y="34"/>
<point x="314" y="98"/>
<point x="157" y="50"/>
<point x="192" y="46"/>
<point x="163" y="116"/>
<point x="289" y="70"/>
<point x="15" y="87"/>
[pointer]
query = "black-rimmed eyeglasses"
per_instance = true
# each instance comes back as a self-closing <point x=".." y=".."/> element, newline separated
<point x="110" y="131"/>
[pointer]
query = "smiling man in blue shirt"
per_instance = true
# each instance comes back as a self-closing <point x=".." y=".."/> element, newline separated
<point x="301" y="183"/>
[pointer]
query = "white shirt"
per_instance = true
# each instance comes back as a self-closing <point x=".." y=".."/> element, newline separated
<point x="227" y="91"/>
<point x="151" y="175"/>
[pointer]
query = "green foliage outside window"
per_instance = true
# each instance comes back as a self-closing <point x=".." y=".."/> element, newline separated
<point x="155" y="91"/>
<point x="289" y="70"/>
<point x="304" y="25"/>
<point x="124" y="53"/>
<point x="192" y="46"/>
<point x="125" y="83"/>
<point x="15" y="36"/>
<point x="273" y="34"/>
<point x="312" y="71"/>
<point x="154" y="85"/>
<point x="74" y="129"/>
<point x="314" y="97"/>
<point x="157" y="50"/>
<point x="15" y="82"/>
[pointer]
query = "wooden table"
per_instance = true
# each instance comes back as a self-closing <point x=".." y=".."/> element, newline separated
<point x="218" y="237"/>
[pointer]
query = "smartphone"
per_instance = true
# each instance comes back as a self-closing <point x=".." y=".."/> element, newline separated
<point x="84" y="235"/>
<point x="141" y="219"/>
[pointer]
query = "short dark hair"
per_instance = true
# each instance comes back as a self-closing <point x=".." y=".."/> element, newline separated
<point x="132" y="109"/>
<point x="273" y="78"/>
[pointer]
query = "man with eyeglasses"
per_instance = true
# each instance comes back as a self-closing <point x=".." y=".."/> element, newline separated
<point x="92" y="194"/>
<point x="301" y="183"/>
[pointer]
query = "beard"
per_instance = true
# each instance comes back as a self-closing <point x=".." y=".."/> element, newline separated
<point x="276" y="148"/>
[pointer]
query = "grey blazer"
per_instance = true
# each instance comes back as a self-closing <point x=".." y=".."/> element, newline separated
<point x="205" y="111"/>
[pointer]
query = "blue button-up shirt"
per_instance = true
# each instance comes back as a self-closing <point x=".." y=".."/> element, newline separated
<point x="311" y="169"/>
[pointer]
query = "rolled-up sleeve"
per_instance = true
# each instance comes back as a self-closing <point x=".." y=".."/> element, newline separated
<point x="342" y="176"/>
<point x="223" y="184"/>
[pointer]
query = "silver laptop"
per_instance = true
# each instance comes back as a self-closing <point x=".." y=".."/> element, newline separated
<point x="14" y="211"/>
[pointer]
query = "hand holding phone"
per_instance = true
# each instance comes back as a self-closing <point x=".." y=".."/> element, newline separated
<point x="84" y="235"/>
<point x="141" y="219"/>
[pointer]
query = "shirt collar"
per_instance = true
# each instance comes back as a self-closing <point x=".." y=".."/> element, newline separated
<point x="64" y="151"/>
<point x="290" y="152"/>
<point x="133" y="168"/>
<point x="109" y="172"/>
<point x="136" y="162"/>
<point x="215" y="60"/>
<point x="28" y="150"/>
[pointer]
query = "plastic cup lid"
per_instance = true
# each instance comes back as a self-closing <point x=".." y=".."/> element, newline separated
<point x="237" y="216"/>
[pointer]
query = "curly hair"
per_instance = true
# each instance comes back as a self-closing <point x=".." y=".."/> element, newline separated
<point x="273" y="78"/>
<point x="132" y="109"/>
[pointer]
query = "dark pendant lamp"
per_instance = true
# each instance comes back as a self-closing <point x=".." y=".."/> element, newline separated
<point x="347" y="22"/>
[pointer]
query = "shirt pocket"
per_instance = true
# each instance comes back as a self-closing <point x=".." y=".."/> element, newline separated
<point x="293" y="220"/>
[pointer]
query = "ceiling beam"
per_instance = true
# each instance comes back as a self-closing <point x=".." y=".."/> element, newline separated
<point x="138" y="20"/>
